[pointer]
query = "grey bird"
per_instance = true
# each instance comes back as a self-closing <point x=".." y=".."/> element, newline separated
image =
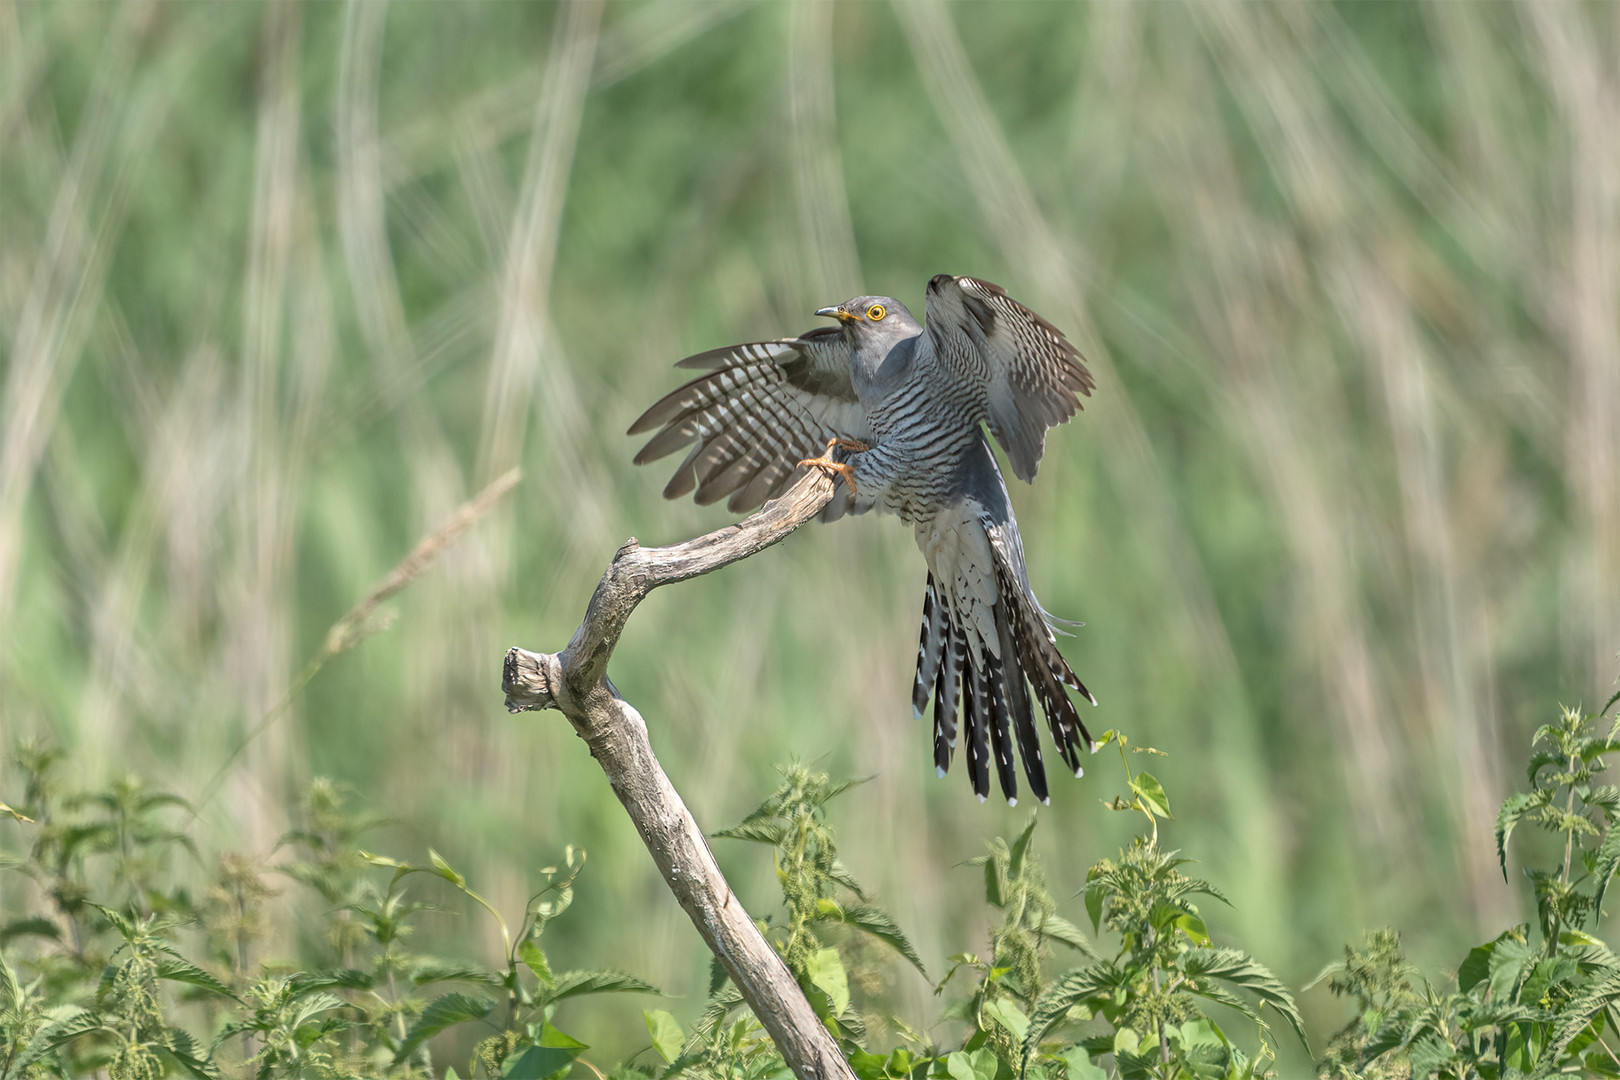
<point x="897" y="411"/>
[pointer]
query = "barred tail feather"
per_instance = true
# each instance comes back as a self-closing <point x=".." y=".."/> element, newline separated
<point x="976" y="707"/>
<point x="947" y="681"/>
<point x="930" y="649"/>
<point x="1015" y="698"/>
<point x="1048" y="673"/>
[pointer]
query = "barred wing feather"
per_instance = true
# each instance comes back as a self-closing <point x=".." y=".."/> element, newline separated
<point x="1032" y="377"/>
<point x="761" y="408"/>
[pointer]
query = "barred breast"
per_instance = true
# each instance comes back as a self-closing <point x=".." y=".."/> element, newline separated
<point x="924" y="429"/>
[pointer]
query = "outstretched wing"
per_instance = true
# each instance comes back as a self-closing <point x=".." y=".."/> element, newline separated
<point x="1032" y="376"/>
<point x="761" y="409"/>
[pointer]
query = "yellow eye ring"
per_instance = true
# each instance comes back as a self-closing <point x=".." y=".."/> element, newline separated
<point x="875" y="312"/>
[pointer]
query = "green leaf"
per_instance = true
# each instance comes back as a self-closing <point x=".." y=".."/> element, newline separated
<point x="535" y="961"/>
<point x="760" y="832"/>
<point x="1508" y="962"/>
<point x="1192" y="926"/>
<point x="577" y="983"/>
<point x="1477" y="966"/>
<point x="1239" y="969"/>
<point x="829" y="909"/>
<point x="1600" y="993"/>
<point x="1077" y="1065"/>
<point x="444" y="1012"/>
<point x="444" y="870"/>
<point x="881" y="925"/>
<point x="178" y="970"/>
<point x="37" y="926"/>
<point x="429" y="970"/>
<point x="1606" y="862"/>
<point x="1009" y="1016"/>
<point x="1020" y="847"/>
<point x="869" y="1066"/>
<point x="667" y="1036"/>
<point x="826" y="973"/>
<point x="539" y="1062"/>
<point x="184" y="1050"/>
<point x="1147" y="788"/>
<point x="1074" y="988"/>
<point x="69" y="1024"/>
<point x="980" y="1065"/>
<point x="1094" y="904"/>
<point x="1514" y="807"/>
<point x="1058" y="928"/>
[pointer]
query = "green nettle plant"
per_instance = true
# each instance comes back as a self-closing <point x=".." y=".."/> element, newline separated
<point x="1149" y="993"/>
<point x="125" y="973"/>
<point x="1532" y="1001"/>
<point x="104" y="988"/>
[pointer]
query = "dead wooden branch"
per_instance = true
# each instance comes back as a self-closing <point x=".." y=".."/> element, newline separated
<point x="575" y="683"/>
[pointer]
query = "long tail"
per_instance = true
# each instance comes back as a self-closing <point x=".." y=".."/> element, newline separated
<point x="994" y="697"/>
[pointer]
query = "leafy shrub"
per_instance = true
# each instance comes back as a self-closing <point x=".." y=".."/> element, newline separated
<point x="123" y="972"/>
<point x="1527" y="1002"/>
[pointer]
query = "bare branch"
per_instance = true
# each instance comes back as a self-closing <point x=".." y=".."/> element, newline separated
<point x="575" y="682"/>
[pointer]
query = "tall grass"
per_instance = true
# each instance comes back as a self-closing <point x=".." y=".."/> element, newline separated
<point x="281" y="286"/>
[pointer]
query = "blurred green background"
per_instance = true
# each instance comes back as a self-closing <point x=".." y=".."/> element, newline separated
<point x="281" y="286"/>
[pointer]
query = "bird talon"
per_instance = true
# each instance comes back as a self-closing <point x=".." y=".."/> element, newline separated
<point x="834" y="468"/>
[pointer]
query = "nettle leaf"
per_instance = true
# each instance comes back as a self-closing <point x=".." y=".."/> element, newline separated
<point x="1514" y="807"/>
<point x="1004" y="1012"/>
<point x="1147" y="788"/>
<point x="826" y="973"/>
<point x="535" y="960"/>
<point x="10" y="993"/>
<point x="1239" y="969"/>
<point x="1077" y="1065"/>
<point x="444" y="1012"/>
<point x="1604" y="796"/>
<point x="1600" y="993"/>
<point x="429" y="970"/>
<point x="1074" y="988"/>
<point x="539" y="1062"/>
<point x="178" y="970"/>
<point x="1605" y="862"/>
<point x="980" y="1065"/>
<point x="1060" y="929"/>
<point x="306" y="982"/>
<point x="184" y="1049"/>
<point x="578" y="983"/>
<point x="666" y="1033"/>
<point x="1508" y="962"/>
<point x="37" y="926"/>
<point x="70" y="1023"/>
<point x="1478" y="964"/>
<point x="771" y="832"/>
<point x="1020" y="848"/>
<point x="878" y="923"/>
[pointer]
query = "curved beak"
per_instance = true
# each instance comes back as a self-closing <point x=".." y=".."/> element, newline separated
<point x="835" y="313"/>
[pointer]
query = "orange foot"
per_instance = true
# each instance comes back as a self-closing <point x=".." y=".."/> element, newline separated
<point x="838" y="468"/>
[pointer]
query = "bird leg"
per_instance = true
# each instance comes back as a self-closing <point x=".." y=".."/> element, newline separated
<point x="839" y="468"/>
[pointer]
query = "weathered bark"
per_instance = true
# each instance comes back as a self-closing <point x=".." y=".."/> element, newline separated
<point x="575" y="683"/>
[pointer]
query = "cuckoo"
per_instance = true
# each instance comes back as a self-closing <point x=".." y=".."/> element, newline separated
<point x="896" y="411"/>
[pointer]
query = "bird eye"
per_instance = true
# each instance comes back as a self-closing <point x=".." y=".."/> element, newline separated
<point x="875" y="312"/>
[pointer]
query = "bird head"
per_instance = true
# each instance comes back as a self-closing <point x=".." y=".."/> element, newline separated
<point x="873" y="320"/>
